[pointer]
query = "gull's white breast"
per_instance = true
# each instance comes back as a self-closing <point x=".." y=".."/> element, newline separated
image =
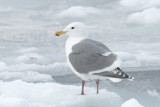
<point x="71" y="41"/>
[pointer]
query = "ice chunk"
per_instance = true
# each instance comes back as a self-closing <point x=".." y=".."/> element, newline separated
<point x="26" y="50"/>
<point x="131" y="103"/>
<point x="80" y="12"/>
<point x="33" y="72"/>
<point x="28" y="76"/>
<point x="148" y="16"/>
<point x="140" y="4"/>
<point x="54" y="95"/>
<point x="139" y="59"/>
<point x="3" y="66"/>
<point x="29" y="56"/>
<point x="152" y="92"/>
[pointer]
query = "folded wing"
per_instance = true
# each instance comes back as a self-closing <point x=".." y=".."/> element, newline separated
<point x="89" y="55"/>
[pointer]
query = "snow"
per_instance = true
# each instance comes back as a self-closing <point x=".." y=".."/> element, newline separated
<point x="148" y="16"/>
<point x="53" y="95"/>
<point x="153" y="93"/>
<point x="13" y="102"/>
<point x="32" y="57"/>
<point x="29" y="56"/>
<point x="80" y="12"/>
<point x="138" y="59"/>
<point x="131" y="103"/>
<point x="4" y="9"/>
<point x="147" y="11"/>
<point x="27" y="50"/>
<point x="3" y="66"/>
<point x="28" y="76"/>
<point x="32" y="72"/>
<point x="140" y="4"/>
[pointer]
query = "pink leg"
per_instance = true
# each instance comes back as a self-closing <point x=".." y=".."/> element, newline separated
<point x="82" y="92"/>
<point x="97" y="82"/>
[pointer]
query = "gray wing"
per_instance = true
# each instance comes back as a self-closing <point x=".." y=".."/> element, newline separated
<point x="87" y="56"/>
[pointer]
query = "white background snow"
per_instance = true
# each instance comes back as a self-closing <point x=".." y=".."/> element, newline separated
<point x="33" y="68"/>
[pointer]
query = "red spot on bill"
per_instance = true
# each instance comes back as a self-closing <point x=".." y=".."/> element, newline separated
<point x="57" y="34"/>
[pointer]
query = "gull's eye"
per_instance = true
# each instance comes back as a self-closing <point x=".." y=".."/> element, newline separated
<point x="72" y="27"/>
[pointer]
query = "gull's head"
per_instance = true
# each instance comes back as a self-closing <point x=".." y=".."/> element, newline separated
<point x="75" y="29"/>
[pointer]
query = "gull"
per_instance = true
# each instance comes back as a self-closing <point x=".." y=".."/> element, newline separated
<point x="90" y="59"/>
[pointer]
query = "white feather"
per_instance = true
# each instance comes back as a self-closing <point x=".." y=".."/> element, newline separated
<point x="106" y="54"/>
<point x="69" y="43"/>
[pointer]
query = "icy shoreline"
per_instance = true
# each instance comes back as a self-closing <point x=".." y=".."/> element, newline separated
<point x="33" y="67"/>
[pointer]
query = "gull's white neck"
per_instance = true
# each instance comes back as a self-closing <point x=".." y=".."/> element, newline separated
<point x="72" y="41"/>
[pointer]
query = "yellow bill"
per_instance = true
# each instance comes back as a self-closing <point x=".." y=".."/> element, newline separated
<point x="61" y="32"/>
